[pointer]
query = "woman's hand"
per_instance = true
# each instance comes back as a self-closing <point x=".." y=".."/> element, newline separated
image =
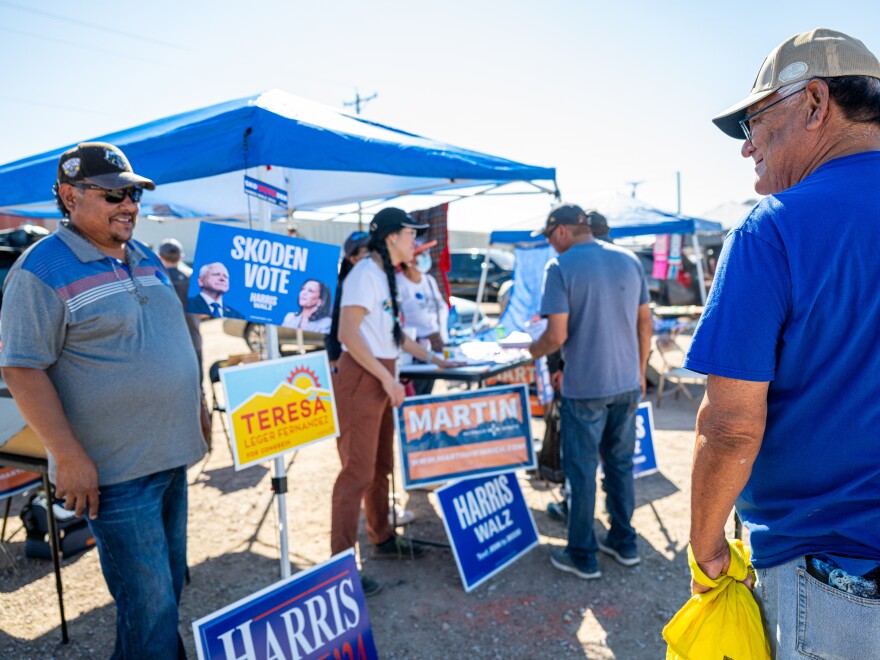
<point x="395" y="391"/>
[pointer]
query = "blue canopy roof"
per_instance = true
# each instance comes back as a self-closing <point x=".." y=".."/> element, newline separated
<point x="321" y="156"/>
<point x="626" y="217"/>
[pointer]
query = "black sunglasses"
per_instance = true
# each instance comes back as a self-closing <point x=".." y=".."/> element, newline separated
<point x="115" y="196"/>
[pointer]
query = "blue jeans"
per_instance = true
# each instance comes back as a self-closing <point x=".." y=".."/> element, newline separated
<point x="140" y="532"/>
<point x="807" y="619"/>
<point x="592" y="428"/>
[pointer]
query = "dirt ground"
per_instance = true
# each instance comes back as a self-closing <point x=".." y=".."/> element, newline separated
<point x="529" y="610"/>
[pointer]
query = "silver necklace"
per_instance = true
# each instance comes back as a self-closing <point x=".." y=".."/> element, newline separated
<point x="133" y="289"/>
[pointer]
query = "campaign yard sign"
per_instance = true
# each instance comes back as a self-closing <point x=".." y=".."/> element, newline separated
<point x="644" y="460"/>
<point x="488" y="524"/>
<point x="278" y="405"/>
<point x="263" y="277"/>
<point x="318" y="613"/>
<point x="467" y="434"/>
<point x="14" y="481"/>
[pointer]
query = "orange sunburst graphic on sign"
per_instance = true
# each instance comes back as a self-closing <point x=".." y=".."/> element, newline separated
<point x="303" y="378"/>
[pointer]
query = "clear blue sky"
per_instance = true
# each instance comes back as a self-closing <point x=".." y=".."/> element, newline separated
<point x="607" y="93"/>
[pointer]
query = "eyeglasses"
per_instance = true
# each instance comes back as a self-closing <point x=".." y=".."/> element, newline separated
<point x="116" y="196"/>
<point x="744" y="122"/>
<point x="548" y="234"/>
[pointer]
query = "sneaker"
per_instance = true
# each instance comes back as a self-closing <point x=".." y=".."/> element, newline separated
<point x="370" y="586"/>
<point x="397" y="547"/>
<point x="558" y="511"/>
<point x="587" y="569"/>
<point x="400" y="516"/>
<point x="625" y="557"/>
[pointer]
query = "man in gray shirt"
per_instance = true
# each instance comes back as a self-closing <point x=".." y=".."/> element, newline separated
<point x="595" y="299"/>
<point x="98" y="358"/>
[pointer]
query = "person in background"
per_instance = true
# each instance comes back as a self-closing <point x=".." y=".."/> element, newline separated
<point x="595" y="299"/>
<point x="213" y="282"/>
<point x="99" y="360"/>
<point x="354" y="249"/>
<point x="787" y="429"/>
<point x="171" y="255"/>
<point x="423" y="306"/>
<point x="367" y="388"/>
<point x="315" y="309"/>
<point x="599" y="227"/>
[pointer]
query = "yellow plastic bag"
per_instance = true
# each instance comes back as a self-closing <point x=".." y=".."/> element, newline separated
<point x="724" y="622"/>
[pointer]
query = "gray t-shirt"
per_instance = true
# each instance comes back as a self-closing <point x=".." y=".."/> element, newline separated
<point x="125" y="369"/>
<point x="600" y="286"/>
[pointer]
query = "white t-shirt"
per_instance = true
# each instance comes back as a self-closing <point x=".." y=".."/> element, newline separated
<point x="367" y="286"/>
<point x="422" y="306"/>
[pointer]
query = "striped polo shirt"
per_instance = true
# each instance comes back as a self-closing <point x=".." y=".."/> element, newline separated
<point x="118" y="354"/>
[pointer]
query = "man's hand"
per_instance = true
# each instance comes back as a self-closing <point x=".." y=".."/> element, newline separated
<point x="556" y="380"/>
<point x="716" y="565"/>
<point x="76" y="481"/>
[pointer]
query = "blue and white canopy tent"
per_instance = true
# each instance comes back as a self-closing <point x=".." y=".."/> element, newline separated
<point x="627" y="217"/>
<point x="320" y="156"/>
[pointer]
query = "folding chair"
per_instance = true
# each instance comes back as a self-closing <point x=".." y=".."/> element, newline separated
<point x="214" y="375"/>
<point x="671" y="357"/>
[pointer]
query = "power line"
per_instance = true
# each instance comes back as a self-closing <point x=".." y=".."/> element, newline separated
<point x="78" y="45"/>
<point x="55" y="106"/>
<point x="93" y="26"/>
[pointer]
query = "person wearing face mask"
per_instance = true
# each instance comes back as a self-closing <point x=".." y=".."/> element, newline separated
<point x="366" y="389"/>
<point x="315" y="309"/>
<point x="422" y="305"/>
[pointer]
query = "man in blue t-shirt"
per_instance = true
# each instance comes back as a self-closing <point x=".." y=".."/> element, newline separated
<point x="595" y="299"/>
<point x="788" y="428"/>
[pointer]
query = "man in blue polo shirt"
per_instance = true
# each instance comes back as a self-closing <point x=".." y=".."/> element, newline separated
<point x="595" y="298"/>
<point x="98" y="358"/>
<point x="789" y="425"/>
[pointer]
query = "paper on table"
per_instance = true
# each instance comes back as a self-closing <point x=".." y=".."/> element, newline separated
<point x="516" y="339"/>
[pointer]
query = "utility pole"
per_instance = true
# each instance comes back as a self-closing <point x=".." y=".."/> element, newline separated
<point x="356" y="104"/>
<point x="359" y="100"/>
<point x="634" y="184"/>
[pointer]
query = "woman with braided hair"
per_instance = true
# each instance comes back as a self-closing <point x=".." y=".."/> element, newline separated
<point x="367" y="388"/>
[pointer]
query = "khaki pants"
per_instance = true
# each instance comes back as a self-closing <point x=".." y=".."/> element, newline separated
<point x="366" y="450"/>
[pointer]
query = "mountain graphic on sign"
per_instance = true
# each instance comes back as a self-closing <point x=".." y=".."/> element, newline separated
<point x="301" y="384"/>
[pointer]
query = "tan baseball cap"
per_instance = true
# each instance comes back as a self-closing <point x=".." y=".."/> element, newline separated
<point x="820" y="53"/>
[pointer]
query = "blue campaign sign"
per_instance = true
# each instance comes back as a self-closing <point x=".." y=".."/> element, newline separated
<point x="488" y="524"/>
<point x="318" y="613"/>
<point x="467" y="434"/>
<point x="263" y="190"/>
<point x="644" y="461"/>
<point x="263" y="277"/>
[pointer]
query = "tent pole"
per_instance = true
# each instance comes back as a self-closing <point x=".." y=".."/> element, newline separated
<point x="698" y="255"/>
<point x="484" y="274"/>
<point x="279" y="480"/>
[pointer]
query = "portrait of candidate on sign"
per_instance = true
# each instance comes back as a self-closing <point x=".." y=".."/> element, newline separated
<point x="263" y="277"/>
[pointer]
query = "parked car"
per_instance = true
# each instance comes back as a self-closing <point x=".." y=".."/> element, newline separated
<point x="466" y="267"/>
<point x="684" y="289"/>
<point x="255" y="333"/>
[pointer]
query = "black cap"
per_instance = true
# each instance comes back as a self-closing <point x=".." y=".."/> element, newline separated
<point x="564" y="214"/>
<point x="99" y="164"/>
<point x="598" y="223"/>
<point x="356" y="241"/>
<point x="390" y="220"/>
